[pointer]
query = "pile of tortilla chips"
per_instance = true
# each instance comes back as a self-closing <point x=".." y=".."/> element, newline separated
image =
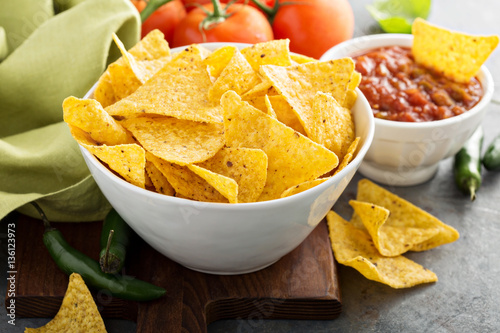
<point x="78" y="312"/>
<point x="230" y="125"/>
<point x="382" y="228"/>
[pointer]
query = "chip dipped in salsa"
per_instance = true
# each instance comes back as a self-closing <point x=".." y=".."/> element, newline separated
<point x="399" y="89"/>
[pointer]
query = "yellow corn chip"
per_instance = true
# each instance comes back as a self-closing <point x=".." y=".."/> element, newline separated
<point x="292" y="158"/>
<point x="186" y="183"/>
<point x="299" y="84"/>
<point x="456" y="55"/>
<point x="350" y="98"/>
<point x="218" y="60"/>
<point x="78" y="312"/>
<point x="354" y="247"/>
<point x="176" y="140"/>
<point x="224" y="185"/>
<point x="159" y="181"/>
<point x="265" y="87"/>
<point x="285" y="114"/>
<point x="248" y="167"/>
<point x="238" y="76"/>
<point x="303" y="187"/>
<point x="406" y="215"/>
<point x="81" y="136"/>
<point x="348" y="156"/>
<point x="144" y="69"/>
<point x="269" y="107"/>
<point x="119" y="81"/>
<point x="128" y="160"/>
<point x="275" y="52"/>
<point x="332" y="124"/>
<point x="178" y="90"/>
<point x="88" y="115"/>
<point x="301" y="59"/>
<point x="389" y="240"/>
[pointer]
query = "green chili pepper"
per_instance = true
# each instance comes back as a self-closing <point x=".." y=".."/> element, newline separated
<point x="115" y="238"/>
<point x="69" y="260"/>
<point x="467" y="164"/>
<point x="491" y="158"/>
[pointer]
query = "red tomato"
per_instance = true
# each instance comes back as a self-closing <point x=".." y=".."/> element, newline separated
<point x="164" y="18"/>
<point x="314" y="26"/>
<point x="246" y="25"/>
<point x="191" y="4"/>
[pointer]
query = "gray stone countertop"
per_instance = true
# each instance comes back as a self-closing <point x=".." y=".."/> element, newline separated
<point x="467" y="296"/>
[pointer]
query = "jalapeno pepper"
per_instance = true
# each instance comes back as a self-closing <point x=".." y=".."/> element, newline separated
<point x="467" y="164"/>
<point x="491" y="158"/>
<point x="70" y="260"/>
<point x="115" y="238"/>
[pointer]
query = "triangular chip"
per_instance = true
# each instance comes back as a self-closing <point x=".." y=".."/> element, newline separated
<point x="276" y="52"/>
<point x="303" y="187"/>
<point x="353" y="247"/>
<point x="238" y="76"/>
<point x="456" y="55"/>
<point x="119" y="81"/>
<point x="333" y="126"/>
<point x="299" y="84"/>
<point x="301" y="59"/>
<point x="88" y="115"/>
<point x="224" y="185"/>
<point x="178" y="90"/>
<point x="348" y="156"/>
<point x="218" y="60"/>
<point x="186" y="183"/>
<point x="248" y="167"/>
<point x="389" y="240"/>
<point x="129" y="161"/>
<point x="143" y="69"/>
<point x="292" y="158"/>
<point x="176" y="140"/>
<point x="160" y="182"/>
<point x="285" y="114"/>
<point x="406" y="215"/>
<point x="78" y="312"/>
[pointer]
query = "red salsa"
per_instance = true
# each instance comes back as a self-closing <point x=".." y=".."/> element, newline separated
<point x="399" y="89"/>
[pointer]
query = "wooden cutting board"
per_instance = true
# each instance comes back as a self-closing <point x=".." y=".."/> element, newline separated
<point x="301" y="285"/>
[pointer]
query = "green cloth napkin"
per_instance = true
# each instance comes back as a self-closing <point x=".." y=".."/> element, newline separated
<point x="52" y="49"/>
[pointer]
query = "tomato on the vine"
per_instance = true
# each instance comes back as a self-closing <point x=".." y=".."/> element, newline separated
<point x="164" y="18"/>
<point x="245" y="24"/>
<point x="314" y="26"/>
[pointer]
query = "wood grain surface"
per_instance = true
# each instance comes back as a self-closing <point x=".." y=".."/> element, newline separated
<point x="301" y="285"/>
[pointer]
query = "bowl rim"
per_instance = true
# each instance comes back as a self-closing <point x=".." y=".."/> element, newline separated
<point x="360" y="153"/>
<point x="484" y="75"/>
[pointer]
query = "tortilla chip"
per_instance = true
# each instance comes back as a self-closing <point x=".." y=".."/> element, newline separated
<point x="301" y="59"/>
<point x="275" y="52"/>
<point x="248" y="167"/>
<point x="303" y="187"/>
<point x="238" y="76"/>
<point x="455" y="55"/>
<point x="218" y="60"/>
<point x="159" y="181"/>
<point x="300" y="84"/>
<point x="349" y="155"/>
<point x="269" y="107"/>
<point x="78" y="312"/>
<point x="285" y="114"/>
<point x="88" y="115"/>
<point x="128" y="160"/>
<point x="119" y="81"/>
<point x="354" y="247"/>
<point x="265" y="87"/>
<point x="292" y="158"/>
<point x="224" y="185"/>
<point x="176" y="140"/>
<point x="405" y="215"/>
<point x="186" y="183"/>
<point x="332" y="124"/>
<point x="178" y="90"/>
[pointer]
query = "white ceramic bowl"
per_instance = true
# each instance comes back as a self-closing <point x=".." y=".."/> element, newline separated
<point x="228" y="238"/>
<point x="403" y="153"/>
